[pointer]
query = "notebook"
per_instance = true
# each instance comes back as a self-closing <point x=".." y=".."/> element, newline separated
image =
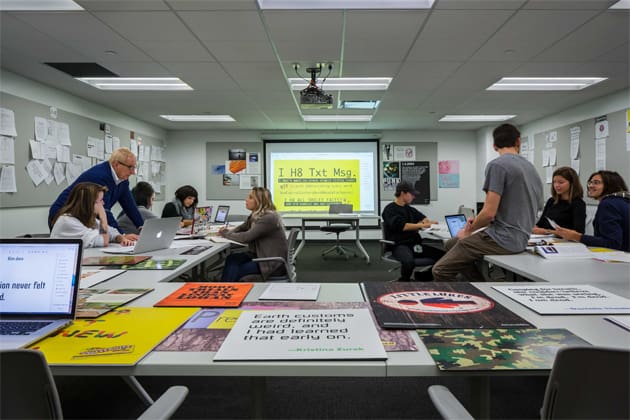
<point x="455" y="222"/>
<point x="155" y="234"/>
<point x="38" y="288"/>
<point x="222" y="215"/>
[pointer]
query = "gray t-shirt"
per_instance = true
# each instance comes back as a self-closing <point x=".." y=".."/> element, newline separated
<point x="521" y="190"/>
<point x="127" y="226"/>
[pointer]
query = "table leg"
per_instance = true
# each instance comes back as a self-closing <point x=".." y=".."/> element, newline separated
<point x="138" y="389"/>
<point x="480" y="386"/>
<point x="258" y="385"/>
<point x="302" y="242"/>
<point x="358" y="244"/>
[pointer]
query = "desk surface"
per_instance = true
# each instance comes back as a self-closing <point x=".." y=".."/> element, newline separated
<point x="592" y="328"/>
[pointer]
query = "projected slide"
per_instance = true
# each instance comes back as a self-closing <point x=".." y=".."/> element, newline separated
<point x="312" y="181"/>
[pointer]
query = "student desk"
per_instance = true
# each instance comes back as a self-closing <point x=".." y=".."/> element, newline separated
<point x="592" y="328"/>
<point x="196" y="263"/>
<point x="353" y="219"/>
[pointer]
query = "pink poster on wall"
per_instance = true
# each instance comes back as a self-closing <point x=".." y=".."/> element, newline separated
<point x="448" y="174"/>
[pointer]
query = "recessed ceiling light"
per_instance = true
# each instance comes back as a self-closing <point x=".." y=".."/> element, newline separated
<point x="337" y="118"/>
<point x="621" y="4"/>
<point x="359" y="104"/>
<point x="475" y="118"/>
<point x="345" y="83"/>
<point x="39" y="5"/>
<point x="345" y="4"/>
<point x="197" y="118"/>
<point x="135" y="83"/>
<point x="545" y="83"/>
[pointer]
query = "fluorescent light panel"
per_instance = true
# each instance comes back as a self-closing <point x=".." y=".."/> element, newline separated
<point x="475" y="118"/>
<point x="135" y="83"/>
<point x="38" y="5"/>
<point x="545" y="83"/>
<point x="359" y="104"/>
<point x="621" y="4"/>
<point x="346" y="83"/>
<point x="198" y="118"/>
<point x="337" y="118"/>
<point x="345" y="4"/>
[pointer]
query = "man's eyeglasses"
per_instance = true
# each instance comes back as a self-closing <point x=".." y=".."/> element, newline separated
<point x="594" y="182"/>
<point x="130" y="167"/>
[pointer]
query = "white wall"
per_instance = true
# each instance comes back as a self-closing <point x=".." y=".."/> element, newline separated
<point x="17" y="221"/>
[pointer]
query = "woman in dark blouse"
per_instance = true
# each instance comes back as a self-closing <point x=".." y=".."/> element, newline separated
<point x="565" y="207"/>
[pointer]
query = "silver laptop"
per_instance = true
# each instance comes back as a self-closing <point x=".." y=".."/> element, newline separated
<point x="155" y="234"/>
<point x="455" y="222"/>
<point x="39" y="281"/>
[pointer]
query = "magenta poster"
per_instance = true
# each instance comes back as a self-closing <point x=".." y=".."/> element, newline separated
<point x="448" y="174"/>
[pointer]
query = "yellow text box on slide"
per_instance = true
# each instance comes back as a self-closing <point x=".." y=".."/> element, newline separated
<point x="306" y="186"/>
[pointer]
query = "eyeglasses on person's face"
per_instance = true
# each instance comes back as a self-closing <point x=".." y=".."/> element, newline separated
<point x="594" y="182"/>
<point x="130" y="167"/>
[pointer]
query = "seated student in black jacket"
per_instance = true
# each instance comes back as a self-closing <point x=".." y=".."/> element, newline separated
<point x="565" y="207"/>
<point x="401" y="224"/>
<point x="183" y="205"/>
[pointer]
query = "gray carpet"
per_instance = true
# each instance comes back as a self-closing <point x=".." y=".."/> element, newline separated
<point x="304" y="398"/>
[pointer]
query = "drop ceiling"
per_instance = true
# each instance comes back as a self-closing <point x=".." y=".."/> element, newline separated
<point x="237" y="57"/>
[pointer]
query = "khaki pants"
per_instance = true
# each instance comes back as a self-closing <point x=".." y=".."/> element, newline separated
<point x="461" y="256"/>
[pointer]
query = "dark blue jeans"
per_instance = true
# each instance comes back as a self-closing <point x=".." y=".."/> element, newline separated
<point x="238" y="265"/>
<point x="410" y="259"/>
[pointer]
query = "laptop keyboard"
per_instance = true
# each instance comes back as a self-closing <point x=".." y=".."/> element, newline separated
<point x="21" y="327"/>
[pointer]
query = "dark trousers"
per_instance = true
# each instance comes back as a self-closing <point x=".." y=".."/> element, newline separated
<point x="238" y="265"/>
<point x="410" y="259"/>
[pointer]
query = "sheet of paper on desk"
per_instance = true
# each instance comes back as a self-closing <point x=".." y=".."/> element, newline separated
<point x="497" y="349"/>
<point x="564" y="250"/>
<point x="93" y="303"/>
<point x="222" y="240"/>
<point x="622" y="321"/>
<point x="566" y="299"/>
<point x="91" y="277"/>
<point x="290" y="291"/>
<point x="324" y="334"/>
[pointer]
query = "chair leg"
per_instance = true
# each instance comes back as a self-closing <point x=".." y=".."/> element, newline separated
<point x="339" y="249"/>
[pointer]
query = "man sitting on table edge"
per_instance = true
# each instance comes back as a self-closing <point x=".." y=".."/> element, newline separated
<point x="513" y="198"/>
<point x="401" y="223"/>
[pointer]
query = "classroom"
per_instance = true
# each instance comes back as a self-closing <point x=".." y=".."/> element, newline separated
<point x="404" y="90"/>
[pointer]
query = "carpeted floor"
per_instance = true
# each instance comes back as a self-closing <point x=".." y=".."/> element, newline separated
<point x="304" y="398"/>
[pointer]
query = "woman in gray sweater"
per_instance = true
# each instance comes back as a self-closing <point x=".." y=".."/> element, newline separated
<point x="263" y="231"/>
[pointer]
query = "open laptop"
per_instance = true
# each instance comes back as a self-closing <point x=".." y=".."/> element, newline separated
<point x="155" y="234"/>
<point x="221" y="217"/>
<point x="455" y="222"/>
<point x="202" y="217"/>
<point x="39" y="281"/>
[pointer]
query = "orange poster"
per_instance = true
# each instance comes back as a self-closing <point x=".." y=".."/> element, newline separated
<point x="208" y="295"/>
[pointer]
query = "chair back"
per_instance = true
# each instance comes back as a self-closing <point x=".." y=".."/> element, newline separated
<point x="28" y="389"/>
<point x="339" y="208"/>
<point x="466" y="211"/>
<point x="588" y="383"/>
<point x="292" y="247"/>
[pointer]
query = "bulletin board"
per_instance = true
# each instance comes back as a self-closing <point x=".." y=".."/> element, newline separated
<point x="232" y="169"/>
<point x="423" y="153"/>
<point x="25" y="111"/>
<point x="617" y="154"/>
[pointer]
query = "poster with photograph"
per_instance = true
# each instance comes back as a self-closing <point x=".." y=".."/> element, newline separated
<point x="388" y="152"/>
<point x="417" y="174"/>
<point x="231" y="180"/>
<point x="247" y="182"/>
<point x="405" y="153"/>
<point x="253" y="163"/>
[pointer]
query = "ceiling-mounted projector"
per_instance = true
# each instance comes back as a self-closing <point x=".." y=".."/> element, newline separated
<point x="313" y="97"/>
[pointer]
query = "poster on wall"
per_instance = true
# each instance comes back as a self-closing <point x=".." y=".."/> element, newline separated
<point x="448" y="174"/>
<point x="391" y="175"/>
<point x="405" y="153"/>
<point x="417" y="174"/>
<point x="388" y="152"/>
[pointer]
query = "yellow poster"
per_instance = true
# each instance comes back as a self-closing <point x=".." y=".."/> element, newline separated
<point x="120" y="337"/>
<point x="313" y="185"/>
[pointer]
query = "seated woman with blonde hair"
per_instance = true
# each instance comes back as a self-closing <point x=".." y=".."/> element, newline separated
<point x="77" y="218"/>
<point x="264" y="232"/>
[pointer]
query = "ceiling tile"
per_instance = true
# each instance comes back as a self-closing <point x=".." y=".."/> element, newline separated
<point x="225" y="26"/>
<point x="174" y="50"/>
<point x="479" y="4"/>
<point x="201" y="76"/>
<point x="147" y="26"/>
<point x="241" y="50"/>
<point x="212" y="4"/>
<point x="122" y="5"/>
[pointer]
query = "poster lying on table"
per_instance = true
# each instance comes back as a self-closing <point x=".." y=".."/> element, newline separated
<point x="566" y="299"/>
<point x="497" y="349"/>
<point x="325" y="334"/>
<point x="120" y="337"/>
<point x="208" y="295"/>
<point x="437" y="305"/>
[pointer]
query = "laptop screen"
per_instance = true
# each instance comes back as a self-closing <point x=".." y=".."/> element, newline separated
<point x="39" y="276"/>
<point x="455" y="222"/>
<point x="222" y="214"/>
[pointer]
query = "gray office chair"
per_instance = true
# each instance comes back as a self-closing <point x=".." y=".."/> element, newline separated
<point x="422" y="264"/>
<point x="466" y="211"/>
<point x="28" y="391"/>
<point x="288" y="262"/>
<point x="585" y="383"/>
<point x="337" y="229"/>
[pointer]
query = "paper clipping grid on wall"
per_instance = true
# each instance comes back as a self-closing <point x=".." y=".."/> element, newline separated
<point x="332" y="334"/>
<point x="566" y="299"/>
<point x="7" y="123"/>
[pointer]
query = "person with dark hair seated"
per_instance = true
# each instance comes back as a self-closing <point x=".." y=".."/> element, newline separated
<point x="611" y="226"/>
<point x="144" y="195"/>
<point x="183" y="205"/>
<point x="565" y="207"/>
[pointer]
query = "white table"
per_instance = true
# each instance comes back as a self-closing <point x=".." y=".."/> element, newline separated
<point x="353" y="219"/>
